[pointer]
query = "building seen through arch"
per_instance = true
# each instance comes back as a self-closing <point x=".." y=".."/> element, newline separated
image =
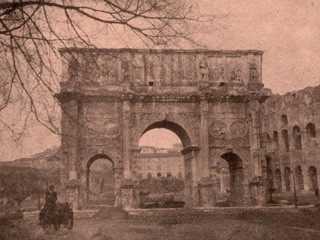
<point x="151" y="161"/>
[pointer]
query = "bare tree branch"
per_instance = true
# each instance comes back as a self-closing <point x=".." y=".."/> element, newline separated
<point x="32" y="31"/>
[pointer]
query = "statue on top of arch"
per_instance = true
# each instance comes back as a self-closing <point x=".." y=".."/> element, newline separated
<point x="253" y="72"/>
<point x="203" y="66"/>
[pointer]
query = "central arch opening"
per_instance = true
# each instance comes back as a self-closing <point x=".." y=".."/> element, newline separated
<point x="230" y="180"/>
<point x="159" y="165"/>
<point x="100" y="181"/>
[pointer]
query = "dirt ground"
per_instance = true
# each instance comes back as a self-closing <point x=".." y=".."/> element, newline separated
<point x="180" y="224"/>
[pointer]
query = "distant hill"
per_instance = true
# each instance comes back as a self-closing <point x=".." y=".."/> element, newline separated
<point x="44" y="160"/>
<point x="28" y="178"/>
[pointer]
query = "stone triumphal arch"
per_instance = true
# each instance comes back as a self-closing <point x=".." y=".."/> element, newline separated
<point x="210" y="99"/>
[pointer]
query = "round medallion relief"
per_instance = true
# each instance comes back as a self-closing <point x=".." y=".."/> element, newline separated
<point x="238" y="129"/>
<point x="112" y="130"/>
<point x="217" y="129"/>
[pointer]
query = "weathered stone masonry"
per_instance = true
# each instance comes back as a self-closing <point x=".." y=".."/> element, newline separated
<point x="290" y="141"/>
<point x="213" y="100"/>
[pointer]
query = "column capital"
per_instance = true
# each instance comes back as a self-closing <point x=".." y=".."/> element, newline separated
<point x="126" y="106"/>
<point x="127" y="96"/>
<point x="126" y="115"/>
<point x="190" y="149"/>
<point x="204" y="106"/>
<point x="68" y="96"/>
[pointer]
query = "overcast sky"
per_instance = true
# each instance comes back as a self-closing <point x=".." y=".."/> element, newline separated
<point x="287" y="30"/>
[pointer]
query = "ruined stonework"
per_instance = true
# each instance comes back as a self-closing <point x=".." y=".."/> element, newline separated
<point x="290" y="141"/>
<point x="212" y="100"/>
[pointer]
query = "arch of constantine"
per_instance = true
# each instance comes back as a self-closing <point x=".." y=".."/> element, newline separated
<point x="212" y="100"/>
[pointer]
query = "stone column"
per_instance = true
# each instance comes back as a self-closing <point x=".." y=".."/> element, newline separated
<point x="72" y="135"/>
<point x="206" y="184"/>
<point x="191" y="174"/>
<point x="206" y="192"/>
<point x="118" y="173"/>
<point x="258" y="181"/>
<point x="127" y="194"/>
<point x="222" y="184"/>
<point x="283" y="184"/>
<point x="70" y="144"/>
<point x="204" y="139"/>
<point x="126" y="110"/>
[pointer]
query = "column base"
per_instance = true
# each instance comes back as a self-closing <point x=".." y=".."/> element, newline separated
<point x="207" y="195"/>
<point x="257" y="191"/>
<point x="73" y="194"/>
<point x="191" y="196"/>
<point x="129" y="194"/>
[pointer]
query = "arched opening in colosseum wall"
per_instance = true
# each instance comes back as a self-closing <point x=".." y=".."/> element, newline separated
<point x="275" y="140"/>
<point x="313" y="179"/>
<point x="297" y="137"/>
<point x="284" y="120"/>
<point x="311" y="135"/>
<point x="270" y="181"/>
<point x="285" y="139"/>
<point x="287" y="183"/>
<point x="278" y="180"/>
<point x="311" y="130"/>
<point x="299" y="178"/>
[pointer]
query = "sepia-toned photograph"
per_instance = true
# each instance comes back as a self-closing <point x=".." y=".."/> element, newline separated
<point x="159" y="119"/>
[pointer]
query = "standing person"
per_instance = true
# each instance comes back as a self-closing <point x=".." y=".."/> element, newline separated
<point x="50" y="200"/>
<point x="49" y="205"/>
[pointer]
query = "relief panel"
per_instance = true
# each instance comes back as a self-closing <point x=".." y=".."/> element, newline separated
<point x="238" y="129"/>
<point x="100" y="120"/>
<point x="100" y="69"/>
<point x="165" y="69"/>
<point x="235" y="70"/>
<point x="217" y="69"/>
<point x="103" y="128"/>
<point x="138" y="69"/>
<point x="109" y="70"/>
<point x="188" y="68"/>
<point x="167" y="107"/>
<point x="175" y="70"/>
<point x="218" y="129"/>
<point x="93" y="110"/>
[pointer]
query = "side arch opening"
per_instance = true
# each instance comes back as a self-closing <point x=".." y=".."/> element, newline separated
<point x="236" y="178"/>
<point x="100" y="181"/>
